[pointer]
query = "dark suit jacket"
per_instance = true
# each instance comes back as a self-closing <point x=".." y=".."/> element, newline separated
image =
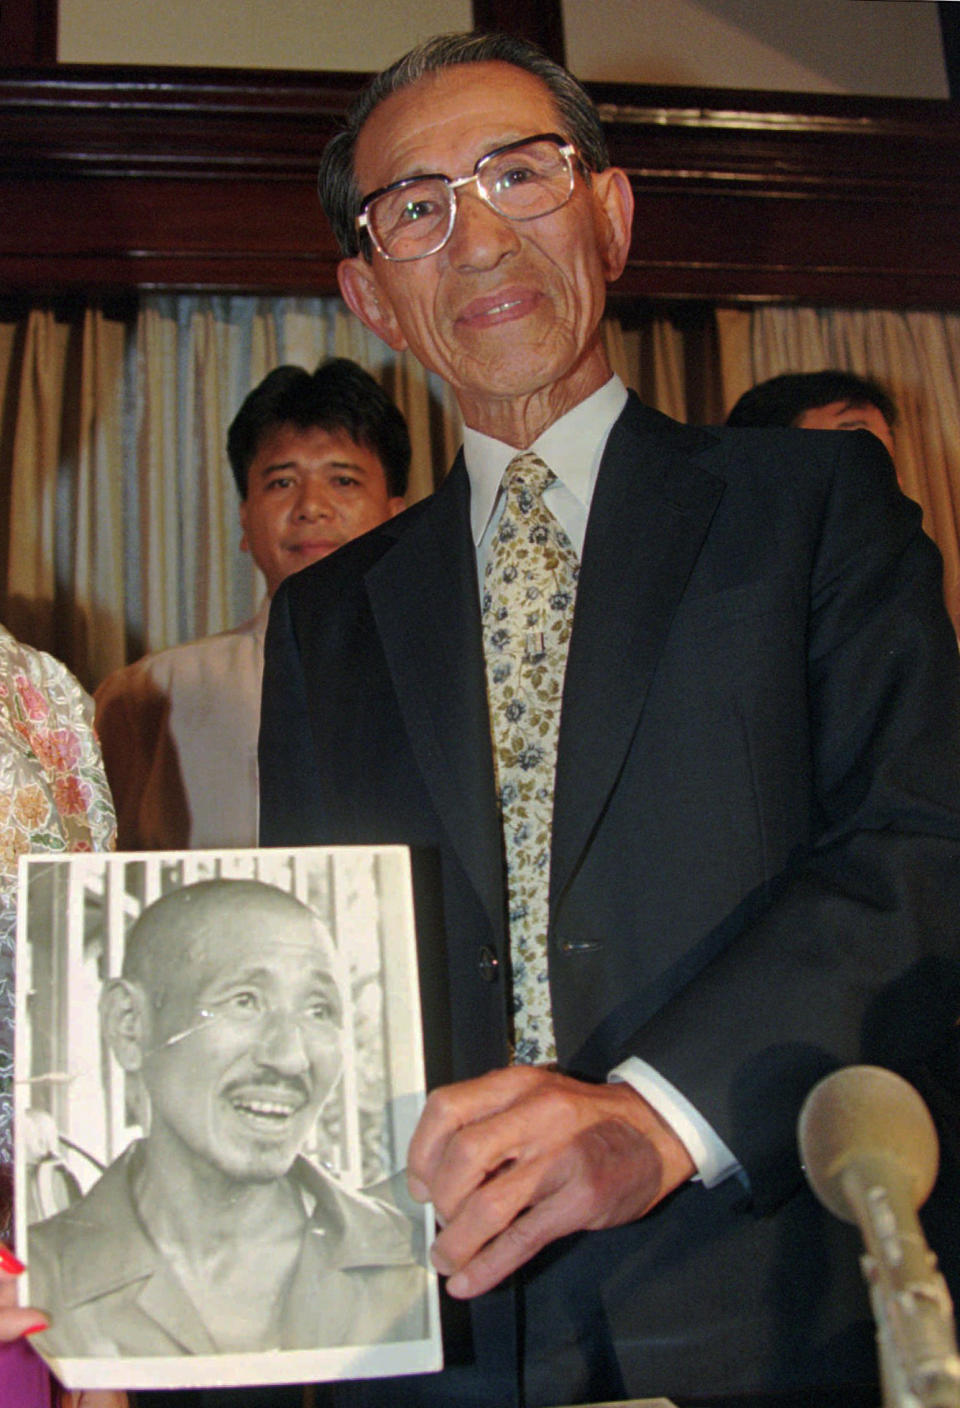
<point x="756" y="855"/>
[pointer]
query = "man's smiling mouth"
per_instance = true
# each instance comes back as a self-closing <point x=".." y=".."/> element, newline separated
<point x="264" y="1107"/>
<point x="274" y="1107"/>
<point x="495" y="307"/>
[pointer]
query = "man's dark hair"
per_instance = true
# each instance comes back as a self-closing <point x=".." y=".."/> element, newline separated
<point x="783" y="399"/>
<point x="577" y="118"/>
<point x="338" y="396"/>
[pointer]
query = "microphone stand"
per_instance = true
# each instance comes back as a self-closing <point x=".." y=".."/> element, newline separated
<point x="870" y="1153"/>
<point x="916" y="1342"/>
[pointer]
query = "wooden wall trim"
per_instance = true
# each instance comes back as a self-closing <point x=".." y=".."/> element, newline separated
<point x="540" y="21"/>
<point x="112" y="179"/>
<point x="28" y="32"/>
<point x="746" y="195"/>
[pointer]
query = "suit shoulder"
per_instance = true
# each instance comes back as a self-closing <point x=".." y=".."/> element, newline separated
<point x="334" y="577"/>
<point x="637" y="418"/>
<point x="796" y="450"/>
<point x="812" y="467"/>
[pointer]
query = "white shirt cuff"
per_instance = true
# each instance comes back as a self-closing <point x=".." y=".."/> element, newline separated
<point x="713" y="1160"/>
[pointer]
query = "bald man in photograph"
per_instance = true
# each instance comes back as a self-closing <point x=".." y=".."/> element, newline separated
<point x="213" y="1234"/>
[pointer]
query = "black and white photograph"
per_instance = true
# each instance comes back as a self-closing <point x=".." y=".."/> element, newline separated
<point x="218" y="1069"/>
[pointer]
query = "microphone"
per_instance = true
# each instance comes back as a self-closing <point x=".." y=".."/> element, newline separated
<point x="870" y="1153"/>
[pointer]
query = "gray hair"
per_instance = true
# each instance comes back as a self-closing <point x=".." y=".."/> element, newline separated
<point x="578" y="118"/>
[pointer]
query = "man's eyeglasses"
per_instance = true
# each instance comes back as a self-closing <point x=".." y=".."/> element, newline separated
<point x="524" y="180"/>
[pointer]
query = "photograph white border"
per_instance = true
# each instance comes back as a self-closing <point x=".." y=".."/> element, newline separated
<point x="66" y="1075"/>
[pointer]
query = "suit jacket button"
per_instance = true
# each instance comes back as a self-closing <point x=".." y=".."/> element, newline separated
<point x="488" y="964"/>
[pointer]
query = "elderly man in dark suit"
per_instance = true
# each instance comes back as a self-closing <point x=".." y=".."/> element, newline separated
<point x="677" y="711"/>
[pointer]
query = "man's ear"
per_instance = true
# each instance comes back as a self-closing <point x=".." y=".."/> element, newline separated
<point x="123" y="1021"/>
<point x="364" y="296"/>
<point x="614" y="197"/>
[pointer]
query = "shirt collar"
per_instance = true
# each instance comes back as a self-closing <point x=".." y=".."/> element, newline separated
<point x="572" y="446"/>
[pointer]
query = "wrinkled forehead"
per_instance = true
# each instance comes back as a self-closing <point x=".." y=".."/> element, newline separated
<point x="451" y="118"/>
<point x="191" y="945"/>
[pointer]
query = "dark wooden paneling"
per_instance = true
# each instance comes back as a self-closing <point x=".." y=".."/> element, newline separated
<point x="540" y="21"/>
<point x="950" y="33"/>
<point x="173" y="232"/>
<point x="178" y="179"/>
<point x="756" y="195"/>
<point x="112" y="179"/>
<point x="28" y="32"/>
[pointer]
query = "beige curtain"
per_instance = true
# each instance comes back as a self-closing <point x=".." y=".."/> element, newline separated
<point x="916" y="357"/>
<point x="650" y="358"/>
<point x="64" y="549"/>
<point x="119" y="530"/>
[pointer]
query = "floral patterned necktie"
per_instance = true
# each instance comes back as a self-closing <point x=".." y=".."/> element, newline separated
<point x="529" y="590"/>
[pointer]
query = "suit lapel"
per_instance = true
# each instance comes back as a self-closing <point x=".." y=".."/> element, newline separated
<point x="425" y="601"/>
<point x="654" y="499"/>
<point x="650" y="494"/>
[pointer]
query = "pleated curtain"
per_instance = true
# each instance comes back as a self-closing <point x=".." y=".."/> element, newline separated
<point x="119" y="531"/>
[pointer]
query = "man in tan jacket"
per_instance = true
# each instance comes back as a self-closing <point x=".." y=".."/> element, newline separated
<point x="319" y="459"/>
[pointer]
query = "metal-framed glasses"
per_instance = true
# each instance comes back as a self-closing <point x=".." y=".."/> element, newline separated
<point x="412" y="218"/>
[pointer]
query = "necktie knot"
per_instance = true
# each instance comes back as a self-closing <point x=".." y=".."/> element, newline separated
<point x="528" y="537"/>
<point x="525" y="478"/>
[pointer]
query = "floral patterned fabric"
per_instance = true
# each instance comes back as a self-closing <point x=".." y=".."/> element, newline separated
<point x="53" y="797"/>
<point x="530" y="585"/>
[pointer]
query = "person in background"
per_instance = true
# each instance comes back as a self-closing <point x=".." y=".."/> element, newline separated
<point x="678" y="718"/>
<point x="53" y="797"/>
<point x="318" y="458"/>
<point x="827" y="400"/>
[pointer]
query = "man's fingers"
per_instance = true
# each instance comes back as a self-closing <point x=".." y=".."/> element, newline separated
<point x="453" y="1109"/>
<point x="509" y="1144"/>
<point x="609" y="1175"/>
<point x="512" y="1248"/>
<point x="586" y="1189"/>
<point x="518" y="1158"/>
<point x="489" y="1211"/>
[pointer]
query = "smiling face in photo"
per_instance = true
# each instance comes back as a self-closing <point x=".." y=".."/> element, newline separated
<point x="242" y="1043"/>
